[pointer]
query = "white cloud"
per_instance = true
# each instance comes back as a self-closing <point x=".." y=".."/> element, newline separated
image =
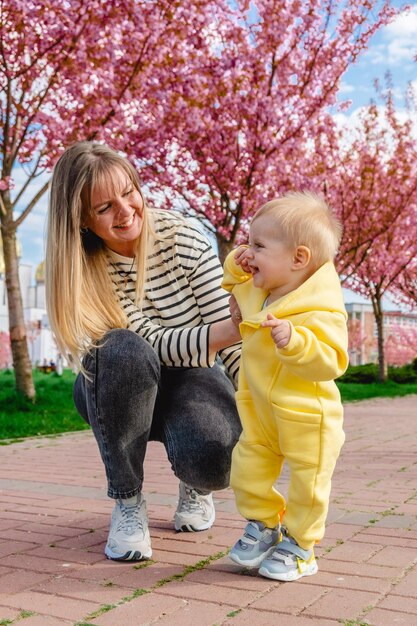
<point x="404" y="26"/>
<point x="401" y="37"/>
<point x="346" y="88"/>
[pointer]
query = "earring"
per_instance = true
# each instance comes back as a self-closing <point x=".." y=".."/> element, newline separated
<point x="83" y="230"/>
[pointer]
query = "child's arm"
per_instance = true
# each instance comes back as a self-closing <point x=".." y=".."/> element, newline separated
<point x="236" y="269"/>
<point x="316" y="350"/>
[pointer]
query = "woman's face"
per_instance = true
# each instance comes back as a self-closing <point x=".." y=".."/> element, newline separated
<point x="116" y="214"/>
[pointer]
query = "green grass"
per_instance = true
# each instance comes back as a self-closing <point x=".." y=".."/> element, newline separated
<point x="353" y="392"/>
<point x="54" y="411"/>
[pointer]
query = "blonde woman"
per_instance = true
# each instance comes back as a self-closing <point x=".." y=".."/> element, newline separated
<point x="134" y="299"/>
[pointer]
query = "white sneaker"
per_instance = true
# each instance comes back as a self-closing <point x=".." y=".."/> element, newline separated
<point x="129" y="538"/>
<point x="195" y="511"/>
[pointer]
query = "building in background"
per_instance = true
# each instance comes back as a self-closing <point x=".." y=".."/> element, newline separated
<point x="42" y="348"/>
<point x="400" y="329"/>
<point x="400" y="335"/>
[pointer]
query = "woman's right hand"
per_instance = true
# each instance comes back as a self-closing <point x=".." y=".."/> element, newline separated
<point x="234" y="309"/>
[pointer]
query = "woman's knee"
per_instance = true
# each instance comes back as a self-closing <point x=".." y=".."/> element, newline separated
<point x="127" y="354"/>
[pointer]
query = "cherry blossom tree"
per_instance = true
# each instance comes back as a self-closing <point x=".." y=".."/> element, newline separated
<point x="372" y="182"/>
<point x="242" y="119"/>
<point x="68" y="71"/>
<point x="400" y="345"/>
<point x="216" y="100"/>
<point x="5" y="351"/>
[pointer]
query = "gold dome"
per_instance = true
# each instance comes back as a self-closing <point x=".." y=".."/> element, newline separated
<point x="40" y="272"/>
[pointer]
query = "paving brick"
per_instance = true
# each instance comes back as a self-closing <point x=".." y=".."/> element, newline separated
<point x="14" y="547"/>
<point x="67" y="555"/>
<point x="342" y="604"/>
<point x="6" y="613"/>
<point x="36" y="564"/>
<point x="346" y="581"/>
<point x="402" y="557"/>
<point x="176" y="558"/>
<point x="201" y="613"/>
<point x="400" y="604"/>
<point x="380" y="617"/>
<point x="199" y="551"/>
<point x="231" y="578"/>
<point x="289" y="598"/>
<point x="46" y="620"/>
<point x="407" y="586"/>
<point x="101" y="593"/>
<point x="66" y="608"/>
<point x="208" y="593"/>
<point x="52" y="493"/>
<point x="4" y="570"/>
<point x="355" y="551"/>
<point x="18" y="534"/>
<point x="341" y="531"/>
<point x="20" y="580"/>
<point x="143" y="610"/>
<point x="251" y="617"/>
<point x="359" y="569"/>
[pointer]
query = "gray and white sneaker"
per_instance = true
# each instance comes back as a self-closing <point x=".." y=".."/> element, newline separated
<point x="195" y="511"/>
<point x="129" y="538"/>
<point x="288" y="560"/>
<point x="257" y="543"/>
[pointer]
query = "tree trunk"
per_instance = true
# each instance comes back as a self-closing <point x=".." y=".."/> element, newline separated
<point x="379" y="319"/>
<point x="224" y="247"/>
<point x="17" y="328"/>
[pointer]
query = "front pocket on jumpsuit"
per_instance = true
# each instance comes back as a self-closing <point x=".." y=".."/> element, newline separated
<point x="299" y="435"/>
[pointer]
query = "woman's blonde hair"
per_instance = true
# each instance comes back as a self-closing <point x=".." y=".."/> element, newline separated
<point x="304" y="219"/>
<point x="80" y="297"/>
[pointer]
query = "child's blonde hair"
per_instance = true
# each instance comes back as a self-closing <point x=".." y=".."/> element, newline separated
<point x="304" y="219"/>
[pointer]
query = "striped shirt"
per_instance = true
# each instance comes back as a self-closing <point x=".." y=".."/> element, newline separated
<point x="182" y="295"/>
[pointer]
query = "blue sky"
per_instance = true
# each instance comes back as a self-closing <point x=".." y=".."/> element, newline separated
<point x="393" y="49"/>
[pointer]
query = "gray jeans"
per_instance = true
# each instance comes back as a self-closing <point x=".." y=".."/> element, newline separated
<point x="131" y="399"/>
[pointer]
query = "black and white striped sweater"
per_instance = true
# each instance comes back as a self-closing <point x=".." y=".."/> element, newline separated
<point x="182" y="295"/>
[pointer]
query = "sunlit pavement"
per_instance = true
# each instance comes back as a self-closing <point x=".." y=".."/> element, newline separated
<point x="54" y="517"/>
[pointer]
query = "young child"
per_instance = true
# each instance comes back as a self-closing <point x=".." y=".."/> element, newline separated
<point x="294" y="344"/>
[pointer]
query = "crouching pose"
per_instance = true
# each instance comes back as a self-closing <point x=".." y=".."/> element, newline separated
<point x="134" y="299"/>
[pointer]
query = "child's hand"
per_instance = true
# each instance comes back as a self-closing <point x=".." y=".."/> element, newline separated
<point x="242" y="257"/>
<point x="280" y="330"/>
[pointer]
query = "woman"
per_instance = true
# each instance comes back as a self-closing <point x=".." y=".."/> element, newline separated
<point x="113" y="267"/>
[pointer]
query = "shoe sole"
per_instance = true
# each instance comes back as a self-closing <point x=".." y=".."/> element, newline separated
<point x="287" y="577"/>
<point x="252" y="562"/>
<point x="130" y="555"/>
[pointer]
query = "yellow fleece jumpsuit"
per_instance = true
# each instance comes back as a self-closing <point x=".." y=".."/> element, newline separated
<point x="288" y="402"/>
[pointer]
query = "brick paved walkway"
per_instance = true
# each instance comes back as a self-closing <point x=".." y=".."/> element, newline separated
<point x="54" y="516"/>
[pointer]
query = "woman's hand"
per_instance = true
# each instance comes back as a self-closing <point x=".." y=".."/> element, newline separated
<point x="280" y="330"/>
<point x="235" y="313"/>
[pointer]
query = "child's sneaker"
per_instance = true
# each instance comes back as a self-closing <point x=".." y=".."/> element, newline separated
<point x="288" y="561"/>
<point x="255" y="545"/>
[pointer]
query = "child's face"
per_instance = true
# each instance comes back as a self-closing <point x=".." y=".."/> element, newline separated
<point x="272" y="261"/>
